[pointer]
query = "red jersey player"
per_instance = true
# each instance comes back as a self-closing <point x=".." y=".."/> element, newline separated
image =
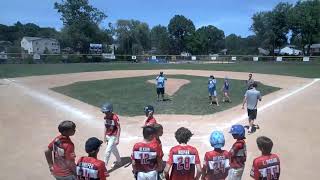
<point x="147" y="156"/>
<point x="149" y="111"/>
<point x="266" y="166"/>
<point x="111" y="134"/>
<point x="216" y="162"/>
<point x="238" y="153"/>
<point x="62" y="165"/>
<point x="183" y="158"/>
<point x="90" y="167"/>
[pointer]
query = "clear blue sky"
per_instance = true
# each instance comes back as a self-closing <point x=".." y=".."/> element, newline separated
<point x="232" y="16"/>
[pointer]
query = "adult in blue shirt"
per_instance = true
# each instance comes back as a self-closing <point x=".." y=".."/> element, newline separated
<point x="160" y="82"/>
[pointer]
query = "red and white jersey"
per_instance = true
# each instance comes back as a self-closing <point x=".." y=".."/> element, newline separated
<point x="63" y="150"/>
<point x="216" y="164"/>
<point x="238" y="154"/>
<point x="146" y="156"/>
<point x="150" y="121"/>
<point x="157" y="140"/>
<point x="266" y="167"/>
<point x="112" y="125"/>
<point x="91" y="168"/>
<point x="183" y="159"/>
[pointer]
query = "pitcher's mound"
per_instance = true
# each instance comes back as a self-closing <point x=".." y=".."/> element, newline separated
<point x="172" y="85"/>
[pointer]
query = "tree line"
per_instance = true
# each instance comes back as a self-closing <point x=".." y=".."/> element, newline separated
<point x="297" y="24"/>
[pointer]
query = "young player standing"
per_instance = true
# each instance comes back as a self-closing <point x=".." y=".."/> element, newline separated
<point x="60" y="153"/>
<point x="212" y="86"/>
<point x="266" y="166"/>
<point x="183" y="159"/>
<point x="238" y="153"/>
<point x="89" y="167"/>
<point x="226" y="89"/>
<point x="149" y="111"/>
<point x="111" y="133"/>
<point x="216" y="162"/>
<point x="147" y="156"/>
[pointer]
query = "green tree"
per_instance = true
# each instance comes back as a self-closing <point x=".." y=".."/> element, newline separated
<point x="160" y="39"/>
<point x="237" y="45"/>
<point x="271" y="27"/>
<point x="133" y="36"/>
<point x="304" y="20"/>
<point x="181" y="31"/>
<point x="81" y="24"/>
<point x="210" y="39"/>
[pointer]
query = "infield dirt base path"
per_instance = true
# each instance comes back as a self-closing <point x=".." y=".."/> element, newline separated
<point x="30" y="113"/>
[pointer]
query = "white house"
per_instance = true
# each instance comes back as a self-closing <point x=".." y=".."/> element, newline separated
<point x="314" y="48"/>
<point x="290" y="51"/>
<point x="37" y="45"/>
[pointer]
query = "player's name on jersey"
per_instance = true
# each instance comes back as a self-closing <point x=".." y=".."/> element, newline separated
<point x="183" y="152"/>
<point x="270" y="161"/>
<point x="144" y="149"/>
<point x="218" y="158"/>
<point x="86" y="165"/>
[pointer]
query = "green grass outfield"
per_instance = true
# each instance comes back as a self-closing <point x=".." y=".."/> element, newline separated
<point x="309" y="70"/>
<point x="130" y="95"/>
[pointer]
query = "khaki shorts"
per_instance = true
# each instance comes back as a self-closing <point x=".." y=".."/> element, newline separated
<point x="235" y="174"/>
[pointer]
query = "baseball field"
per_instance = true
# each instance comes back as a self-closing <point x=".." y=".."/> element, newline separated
<point x="34" y="99"/>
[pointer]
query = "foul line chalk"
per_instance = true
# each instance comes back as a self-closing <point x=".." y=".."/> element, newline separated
<point x="52" y="101"/>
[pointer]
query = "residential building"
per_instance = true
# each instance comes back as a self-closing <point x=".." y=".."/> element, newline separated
<point x="37" y="45"/>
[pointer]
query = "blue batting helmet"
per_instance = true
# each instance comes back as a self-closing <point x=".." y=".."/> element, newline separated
<point x="107" y="107"/>
<point x="238" y="130"/>
<point x="217" y="139"/>
<point x="148" y="109"/>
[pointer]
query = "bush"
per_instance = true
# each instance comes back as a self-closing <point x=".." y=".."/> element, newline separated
<point x="75" y="59"/>
<point x="52" y="59"/>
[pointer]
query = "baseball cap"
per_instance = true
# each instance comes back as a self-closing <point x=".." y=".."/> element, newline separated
<point x="93" y="144"/>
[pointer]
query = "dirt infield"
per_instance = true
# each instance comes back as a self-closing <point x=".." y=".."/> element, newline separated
<point x="172" y="85"/>
<point x="30" y="113"/>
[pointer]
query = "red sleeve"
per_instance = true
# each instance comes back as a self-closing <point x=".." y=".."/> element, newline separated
<point x="133" y="149"/>
<point x="170" y="160"/>
<point x="235" y="148"/>
<point x="69" y="154"/>
<point x="160" y="152"/>
<point x="254" y="173"/>
<point x="102" y="171"/>
<point x="116" y="120"/>
<point x="197" y="156"/>
<point x="205" y="160"/>
<point x="50" y="146"/>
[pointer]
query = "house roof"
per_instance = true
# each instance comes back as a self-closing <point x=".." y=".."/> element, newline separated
<point x="31" y="38"/>
<point x="313" y="46"/>
<point x="37" y="38"/>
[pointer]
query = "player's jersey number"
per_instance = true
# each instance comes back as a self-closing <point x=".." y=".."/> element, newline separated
<point x="184" y="162"/>
<point x="219" y="166"/>
<point x="270" y="173"/>
<point x="144" y="156"/>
